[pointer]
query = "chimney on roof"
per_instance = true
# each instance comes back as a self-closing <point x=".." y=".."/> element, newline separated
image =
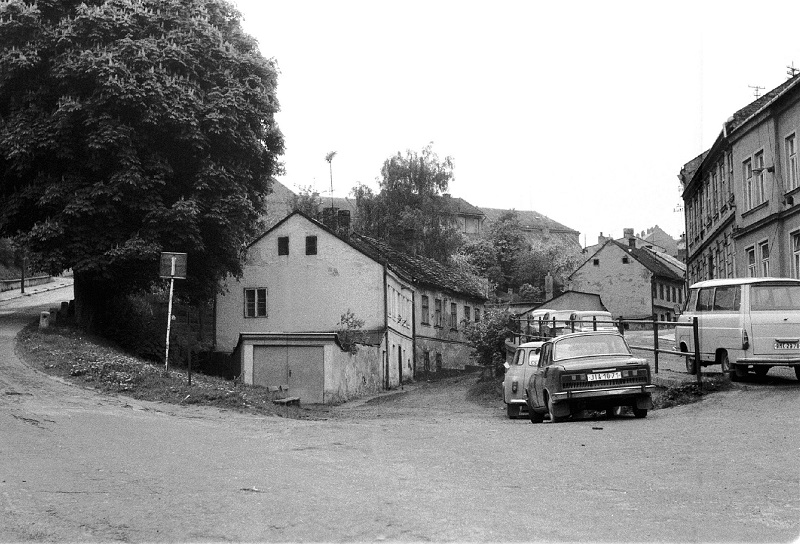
<point x="629" y="236"/>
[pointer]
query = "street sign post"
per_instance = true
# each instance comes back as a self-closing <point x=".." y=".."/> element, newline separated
<point x="173" y="266"/>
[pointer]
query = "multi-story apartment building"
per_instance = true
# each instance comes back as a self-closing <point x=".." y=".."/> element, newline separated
<point x="742" y="196"/>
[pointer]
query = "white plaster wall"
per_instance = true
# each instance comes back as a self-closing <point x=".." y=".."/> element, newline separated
<point x="625" y="289"/>
<point x="305" y="293"/>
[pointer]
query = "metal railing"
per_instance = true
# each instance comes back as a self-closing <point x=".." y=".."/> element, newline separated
<point x="540" y="330"/>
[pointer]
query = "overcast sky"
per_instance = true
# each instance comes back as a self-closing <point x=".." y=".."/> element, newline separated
<point x="583" y="111"/>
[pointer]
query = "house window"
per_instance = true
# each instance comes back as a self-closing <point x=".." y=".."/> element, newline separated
<point x="730" y="174"/>
<point x="596" y="262"/>
<point x="467" y="314"/>
<point x="668" y="293"/>
<point x="425" y="317"/>
<point x="311" y="245"/>
<point x="751" y="262"/>
<point x="747" y="172"/>
<point x="796" y="254"/>
<point x="283" y="245"/>
<point x="710" y="266"/>
<point x="625" y="260"/>
<point x="661" y="291"/>
<point x="478" y="313"/>
<point x="437" y="315"/>
<point x="714" y="192"/>
<point x="723" y="190"/>
<point x="453" y="316"/>
<point x="792" y="176"/>
<point x="255" y="302"/>
<point x="763" y="252"/>
<point x="760" y="175"/>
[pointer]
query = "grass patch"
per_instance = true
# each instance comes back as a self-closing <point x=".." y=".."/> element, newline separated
<point x="95" y="362"/>
<point x="689" y="393"/>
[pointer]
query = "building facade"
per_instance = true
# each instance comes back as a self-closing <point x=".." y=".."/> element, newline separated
<point x="742" y="196"/>
<point x="633" y="282"/>
<point x="300" y="282"/>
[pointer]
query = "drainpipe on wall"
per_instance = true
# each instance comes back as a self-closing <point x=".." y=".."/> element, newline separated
<point x="387" y="352"/>
<point x="413" y="334"/>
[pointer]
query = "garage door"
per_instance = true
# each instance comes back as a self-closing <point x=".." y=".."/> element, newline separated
<point x="299" y="367"/>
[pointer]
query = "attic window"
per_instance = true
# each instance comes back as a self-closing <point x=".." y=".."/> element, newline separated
<point x="311" y="245"/>
<point x="283" y="245"/>
<point x="596" y="262"/>
<point x="625" y="260"/>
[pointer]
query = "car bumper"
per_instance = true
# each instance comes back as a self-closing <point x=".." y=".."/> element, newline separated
<point x="771" y="361"/>
<point x="606" y="392"/>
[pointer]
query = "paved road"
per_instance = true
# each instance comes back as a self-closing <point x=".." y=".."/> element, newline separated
<point x="427" y="464"/>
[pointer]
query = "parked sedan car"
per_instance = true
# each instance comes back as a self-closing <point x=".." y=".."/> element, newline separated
<point x="525" y="359"/>
<point x="587" y="371"/>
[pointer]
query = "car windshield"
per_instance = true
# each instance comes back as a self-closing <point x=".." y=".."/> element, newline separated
<point x="770" y="297"/>
<point x="591" y="344"/>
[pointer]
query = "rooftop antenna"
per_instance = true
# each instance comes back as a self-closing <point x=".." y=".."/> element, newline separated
<point x="329" y="157"/>
<point x="756" y="90"/>
<point x="791" y="71"/>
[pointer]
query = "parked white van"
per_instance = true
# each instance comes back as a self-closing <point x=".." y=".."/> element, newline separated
<point x="743" y="324"/>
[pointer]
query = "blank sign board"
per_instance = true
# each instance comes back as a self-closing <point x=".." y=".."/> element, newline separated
<point x="173" y="265"/>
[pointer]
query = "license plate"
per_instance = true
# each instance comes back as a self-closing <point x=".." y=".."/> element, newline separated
<point x="604" y="376"/>
<point x="787" y="345"/>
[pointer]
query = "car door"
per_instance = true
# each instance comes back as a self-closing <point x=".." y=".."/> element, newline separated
<point x="537" y="380"/>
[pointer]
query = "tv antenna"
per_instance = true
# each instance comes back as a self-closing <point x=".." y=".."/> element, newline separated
<point x="756" y="90"/>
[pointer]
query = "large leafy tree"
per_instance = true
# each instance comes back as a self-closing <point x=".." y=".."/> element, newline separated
<point x="409" y="212"/>
<point x="131" y="127"/>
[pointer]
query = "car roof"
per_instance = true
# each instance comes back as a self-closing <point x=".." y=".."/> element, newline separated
<point x="530" y="345"/>
<point x="587" y="333"/>
<point x="591" y="312"/>
<point x="739" y="281"/>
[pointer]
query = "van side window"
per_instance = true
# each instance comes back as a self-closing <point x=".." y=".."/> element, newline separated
<point x="704" y="299"/>
<point x="726" y="299"/>
<point x="519" y="358"/>
<point x="691" y="301"/>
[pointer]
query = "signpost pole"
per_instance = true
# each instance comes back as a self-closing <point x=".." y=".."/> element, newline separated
<point x="169" y="315"/>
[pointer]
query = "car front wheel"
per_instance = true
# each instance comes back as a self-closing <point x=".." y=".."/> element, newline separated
<point x="640" y="412"/>
<point x="536" y="417"/>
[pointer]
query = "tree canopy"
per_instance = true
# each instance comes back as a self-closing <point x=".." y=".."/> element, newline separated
<point x="131" y="127"/>
<point x="409" y="212"/>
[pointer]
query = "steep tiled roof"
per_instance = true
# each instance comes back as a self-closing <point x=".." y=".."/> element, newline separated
<point x="529" y="219"/>
<point x="421" y="269"/>
<point x="412" y="267"/>
<point x="741" y="116"/>
<point x="457" y="205"/>
<point x="651" y="261"/>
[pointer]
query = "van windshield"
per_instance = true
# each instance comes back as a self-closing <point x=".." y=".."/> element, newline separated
<point x="774" y="296"/>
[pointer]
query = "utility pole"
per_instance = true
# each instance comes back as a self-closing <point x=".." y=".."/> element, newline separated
<point x="791" y="71"/>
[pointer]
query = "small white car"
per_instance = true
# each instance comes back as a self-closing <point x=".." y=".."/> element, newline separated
<point x="524" y="361"/>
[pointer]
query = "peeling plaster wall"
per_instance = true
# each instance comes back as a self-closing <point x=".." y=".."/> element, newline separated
<point x="625" y="289"/>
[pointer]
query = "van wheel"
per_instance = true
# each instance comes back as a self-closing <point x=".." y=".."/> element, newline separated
<point x="761" y="371"/>
<point x="797" y="372"/>
<point x="691" y="365"/>
<point x="725" y="363"/>
<point x="640" y="412"/>
<point x="536" y="417"/>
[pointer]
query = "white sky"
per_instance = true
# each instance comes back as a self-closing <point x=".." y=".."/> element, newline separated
<point x="584" y="111"/>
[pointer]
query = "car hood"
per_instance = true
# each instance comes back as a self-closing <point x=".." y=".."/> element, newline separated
<point x="600" y="361"/>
